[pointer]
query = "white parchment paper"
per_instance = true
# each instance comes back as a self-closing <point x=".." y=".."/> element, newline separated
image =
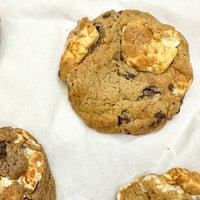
<point x="88" y="165"/>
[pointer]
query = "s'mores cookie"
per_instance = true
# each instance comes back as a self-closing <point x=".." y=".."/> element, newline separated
<point x="126" y="72"/>
<point x="24" y="168"/>
<point x="176" y="184"/>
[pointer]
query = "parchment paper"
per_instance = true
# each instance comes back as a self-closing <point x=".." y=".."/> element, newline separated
<point x="88" y="165"/>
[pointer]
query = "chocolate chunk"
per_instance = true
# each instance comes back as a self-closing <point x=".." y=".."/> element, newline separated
<point x="98" y="27"/>
<point x="181" y="100"/>
<point x="160" y="117"/>
<point x="149" y="92"/>
<point x="127" y="75"/>
<point x="171" y="87"/>
<point x="3" y="152"/>
<point x="106" y="15"/>
<point x="123" y="118"/>
<point x="121" y="57"/>
<point x="101" y="32"/>
<point x="127" y="132"/>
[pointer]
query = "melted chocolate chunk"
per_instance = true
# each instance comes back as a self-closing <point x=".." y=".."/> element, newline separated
<point x="3" y="152"/>
<point x="160" y="117"/>
<point x="123" y="118"/>
<point x="149" y="92"/>
<point x="171" y="87"/>
<point x="106" y="15"/>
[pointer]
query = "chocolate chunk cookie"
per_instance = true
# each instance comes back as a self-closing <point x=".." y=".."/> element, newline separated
<point x="178" y="183"/>
<point x="24" y="168"/>
<point x="126" y="72"/>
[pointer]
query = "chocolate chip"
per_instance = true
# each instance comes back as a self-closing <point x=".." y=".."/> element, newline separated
<point x="127" y="75"/>
<point x="100" y="30"/>
<point x="3" y="152"/>
<point x="181" y="100"/>
<point x="160" y="115"/>
<point x="123" y="118"/>
<point x="106" y="15"/>
<point x="98" y="26"/>
<point x="149" y="92"/>
<point x="121" y="57"/>
<point x="171" y="87"/>
<point x="127" y="132"/>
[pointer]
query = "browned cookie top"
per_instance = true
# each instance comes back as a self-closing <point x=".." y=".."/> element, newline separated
<point x="176" y="184"/>
<point x="24" y="168"/>
<point x="126" y="72"/>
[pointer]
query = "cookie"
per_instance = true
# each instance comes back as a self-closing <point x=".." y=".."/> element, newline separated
<point x="126" y="72"/>
<point x="178" y="183"/>
<point x="24" y="168"/>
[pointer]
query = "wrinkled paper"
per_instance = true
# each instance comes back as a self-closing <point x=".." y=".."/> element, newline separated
<point x="88" y="165"/>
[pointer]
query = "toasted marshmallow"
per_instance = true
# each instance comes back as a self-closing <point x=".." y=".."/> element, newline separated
<point x="189" y="181"/>
<point x="36" y="163"/>
<point x="177" y="181"/>
<point x="181" y="87"/>
<point x="80" y="40"/>
<point x="5" y="182"/>
<point x="147" y="51"/>
<point x="159" y="184"/>
<point x="35" y="169"/>
<point x="162" y="185"/>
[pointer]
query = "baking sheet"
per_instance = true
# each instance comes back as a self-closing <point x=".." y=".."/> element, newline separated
<point x="88" y="165"/>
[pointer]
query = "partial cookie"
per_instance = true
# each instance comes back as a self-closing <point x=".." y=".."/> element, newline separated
<point x="126" y="72"/>
<point x="24" y="168"/>
<point x="176" y="184"/>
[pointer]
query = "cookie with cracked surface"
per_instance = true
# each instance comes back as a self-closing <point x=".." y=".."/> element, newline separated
<point x="126" y="72"/>
<point x="24" y="168"/>
<point x="178" y="183"/>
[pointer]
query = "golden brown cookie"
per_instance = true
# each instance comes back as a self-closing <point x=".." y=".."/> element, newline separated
<point x="176" y="184"/>
<point x="126" y="72"/>
<point x="24" y="168"/>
